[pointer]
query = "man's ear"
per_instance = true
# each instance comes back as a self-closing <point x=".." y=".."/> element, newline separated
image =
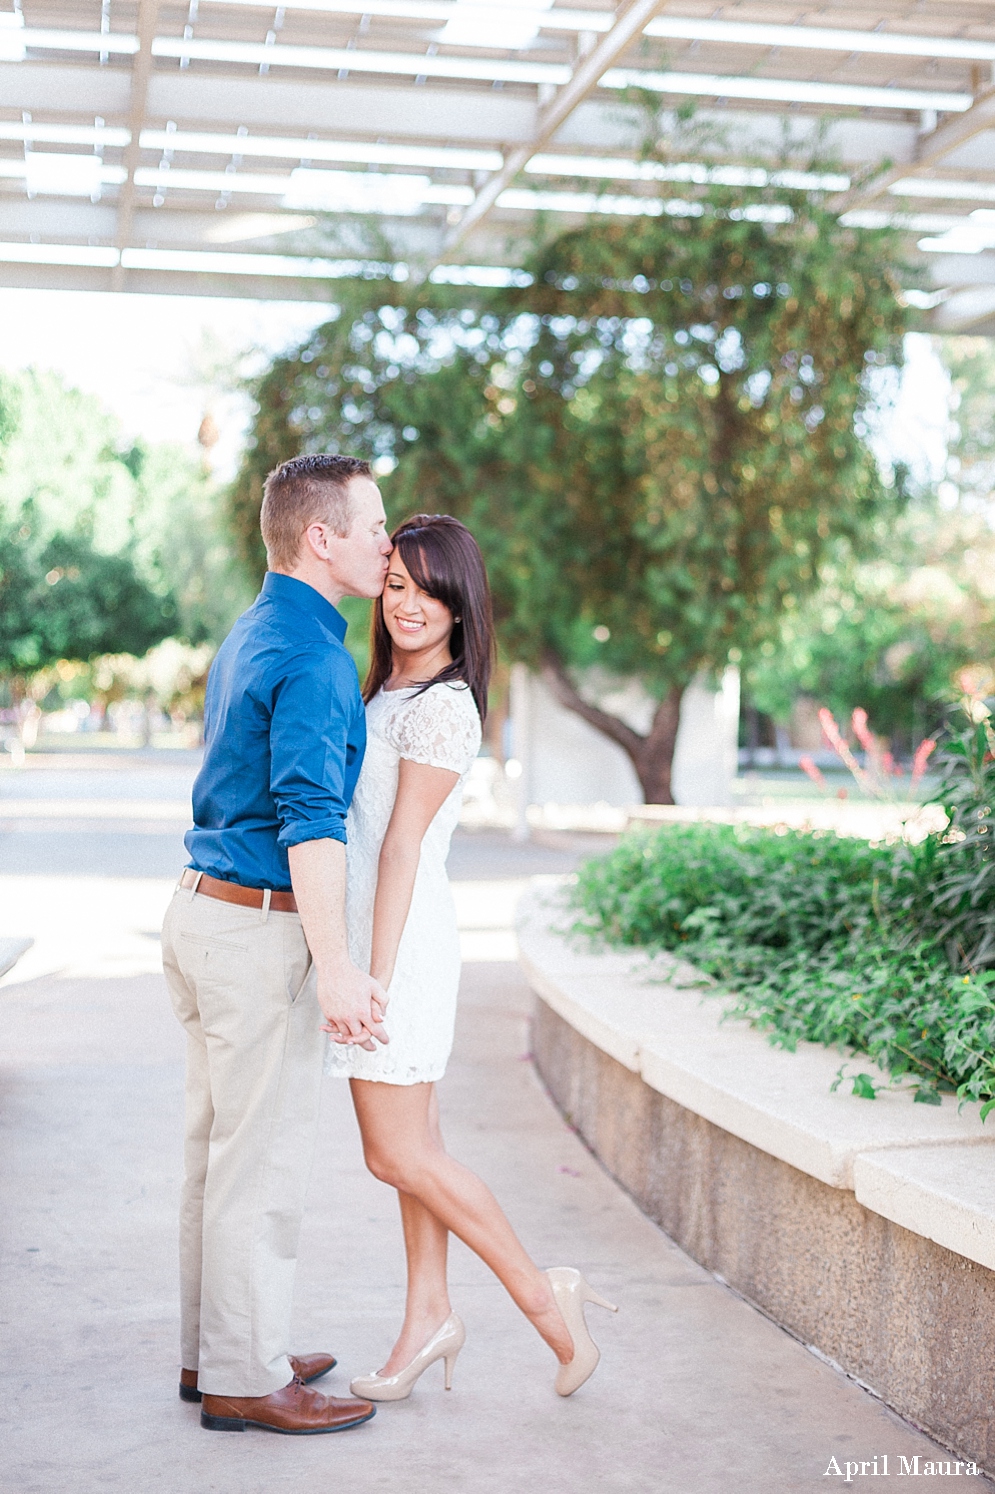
<point x="316" y="538"/>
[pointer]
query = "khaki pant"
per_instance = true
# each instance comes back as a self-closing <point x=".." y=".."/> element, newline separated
<point x="242" y="984"/>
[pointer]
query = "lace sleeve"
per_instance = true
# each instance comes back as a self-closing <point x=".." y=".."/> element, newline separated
<point x="440" y="727"/>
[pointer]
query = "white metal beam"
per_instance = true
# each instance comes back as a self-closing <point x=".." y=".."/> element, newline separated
<point x="65" y="87"/>
<point x="357" y="109"/>
<point x="629" y="24"/>
<point x="141" y="71"/>
<point x="962" y="269"/>
<point x="821" y="38"/>
<point x="417" y="63"/>
<point x="113" y="42"/>
<point x="443" y="127"/>
<point x="345" y="60"/>
<point x="970" y="309"/>
<point x="674" y="28"/>
<point x="931" y="149"/>
<point x="787" y="90"/>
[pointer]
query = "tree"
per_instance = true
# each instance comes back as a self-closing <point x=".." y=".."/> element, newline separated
<point x="971" y="449"/>
<point x="71" y="586"/>
<point x="64" y="600"/>
<point x="658" y="440"/>
<point x="61" y="469"/>
<point x="105" y="547"/>
<point x="180" y="539"/>
<point x="889" y="635"/>
<point x="893" y="634"/>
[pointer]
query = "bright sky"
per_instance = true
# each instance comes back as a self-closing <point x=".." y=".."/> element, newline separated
<point x="918" y="428"/>
<point x="159" y="362"/>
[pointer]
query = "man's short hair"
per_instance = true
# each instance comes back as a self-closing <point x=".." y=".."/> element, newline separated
<point x="305" y="490"/>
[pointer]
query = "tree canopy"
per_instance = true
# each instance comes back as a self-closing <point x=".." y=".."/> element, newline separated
<point x="971" y="464"/>
<point x="892" y="633"/>
<point x="65" y="600"/>
<point x="657" y="435"/>
<point x="105" y="546"/>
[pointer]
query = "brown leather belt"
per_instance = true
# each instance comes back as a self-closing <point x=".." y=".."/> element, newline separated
<point x="234" y="892"/>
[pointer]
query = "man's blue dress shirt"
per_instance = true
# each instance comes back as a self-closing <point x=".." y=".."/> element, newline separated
<point x="285" y="733"/>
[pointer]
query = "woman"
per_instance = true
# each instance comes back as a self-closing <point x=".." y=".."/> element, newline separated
<point x="426" y="696"/>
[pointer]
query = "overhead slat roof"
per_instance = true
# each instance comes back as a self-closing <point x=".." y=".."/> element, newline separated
<point x="242" y="148"/>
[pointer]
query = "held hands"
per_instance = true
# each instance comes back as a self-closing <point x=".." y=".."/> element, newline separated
<point x="353" y="1005"/>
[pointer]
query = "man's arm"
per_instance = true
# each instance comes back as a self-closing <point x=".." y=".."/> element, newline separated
<point x="353" y="1004"/>
<point x="315" y="699"/>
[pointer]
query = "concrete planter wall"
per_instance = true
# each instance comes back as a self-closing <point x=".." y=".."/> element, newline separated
<point x="866" y="1228"/>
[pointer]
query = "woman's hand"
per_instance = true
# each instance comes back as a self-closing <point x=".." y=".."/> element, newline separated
<point x="353" y="1006"/>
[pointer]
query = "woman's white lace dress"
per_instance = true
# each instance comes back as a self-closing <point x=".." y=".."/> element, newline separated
<point x="439" y="727"/>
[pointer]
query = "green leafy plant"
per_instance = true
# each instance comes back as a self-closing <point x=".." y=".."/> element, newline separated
<point x="964" y="873"/>
<point x="885" y="949"/>
<point x="863" y="1086"/>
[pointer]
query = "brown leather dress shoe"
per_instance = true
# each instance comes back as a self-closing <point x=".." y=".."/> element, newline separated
<point x="306" y="1367"/>
<point x="295" y="1410"/>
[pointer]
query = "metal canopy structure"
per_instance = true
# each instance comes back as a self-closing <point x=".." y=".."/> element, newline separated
<point x="242" y="148"/>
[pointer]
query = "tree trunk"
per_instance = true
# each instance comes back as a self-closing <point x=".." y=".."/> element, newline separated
<point x="656" y="760"/>
<point x="652" y="755"/>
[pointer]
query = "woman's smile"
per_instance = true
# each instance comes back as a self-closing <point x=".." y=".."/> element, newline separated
<point x="419" y="625"/>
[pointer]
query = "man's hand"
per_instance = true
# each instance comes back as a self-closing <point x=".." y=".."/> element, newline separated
<point x="353" y="1005"/>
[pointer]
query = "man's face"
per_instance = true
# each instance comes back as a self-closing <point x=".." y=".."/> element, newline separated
<point x="359" y="558"/>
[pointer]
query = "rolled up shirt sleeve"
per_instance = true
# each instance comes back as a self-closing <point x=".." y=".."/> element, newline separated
<point x="312" y="743"/>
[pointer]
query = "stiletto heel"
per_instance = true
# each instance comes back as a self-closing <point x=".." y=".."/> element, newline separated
<point x="445" y="1344"/>
<point x="571" y="1291"/>
<point x="590" y="1295"/>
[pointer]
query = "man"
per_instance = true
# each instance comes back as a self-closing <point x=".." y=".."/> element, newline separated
<point x="255" y="951"/>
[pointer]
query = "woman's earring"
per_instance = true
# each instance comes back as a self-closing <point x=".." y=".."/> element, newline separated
<point x="457" y="619"/>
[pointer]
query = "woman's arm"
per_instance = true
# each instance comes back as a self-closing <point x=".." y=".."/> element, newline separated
<point x="421" y="792"/>
<point x="351" y="1003"/>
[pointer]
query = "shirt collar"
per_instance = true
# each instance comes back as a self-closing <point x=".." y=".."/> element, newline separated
<point x="306" y="599"/>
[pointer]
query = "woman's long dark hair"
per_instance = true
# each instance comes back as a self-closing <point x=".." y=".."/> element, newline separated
<point x="443" y="558"/>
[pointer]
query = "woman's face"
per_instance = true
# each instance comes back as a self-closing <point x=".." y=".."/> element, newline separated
<point x="416" y="622"/>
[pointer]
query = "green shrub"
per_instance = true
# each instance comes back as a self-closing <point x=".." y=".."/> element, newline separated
<point x="881" y="949"/>
<point x="961" y="881"/>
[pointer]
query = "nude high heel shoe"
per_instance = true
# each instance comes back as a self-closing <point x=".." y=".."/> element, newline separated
<point x="445" y="1344"/>
<point x="571" y="1292"/>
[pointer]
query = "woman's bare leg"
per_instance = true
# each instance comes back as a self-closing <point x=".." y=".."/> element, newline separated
<point x="427" y="1305"/>
<point x="426" y="1246"/>
<point x="403" y="1147"/>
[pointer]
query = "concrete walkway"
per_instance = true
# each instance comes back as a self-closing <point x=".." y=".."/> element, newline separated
<point x="696" y="1392"/>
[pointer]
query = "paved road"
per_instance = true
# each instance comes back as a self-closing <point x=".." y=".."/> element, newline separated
<point x="697" y="1392"/>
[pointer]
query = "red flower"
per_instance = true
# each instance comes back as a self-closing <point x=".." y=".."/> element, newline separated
<point x="833" y="734"/>
<point x="921" y="758"/>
